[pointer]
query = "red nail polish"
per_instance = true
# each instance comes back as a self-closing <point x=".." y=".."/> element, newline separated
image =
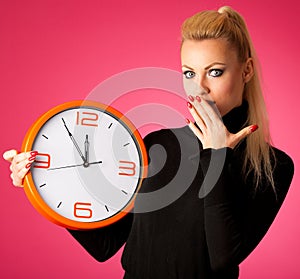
<point x="28" y="166"/>
<point x="32" y="158"/>
<point x="253" y="128"/>
<point x="189" y="105"/>
<point x="198" y="99"/>
<point x="191" y="98"/>
<point x="33" y="153"/>
<point x="187" y="121"/>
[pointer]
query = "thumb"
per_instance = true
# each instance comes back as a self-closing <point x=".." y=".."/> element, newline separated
<point x="242" y="134"/>
<point x="10" y="154"/>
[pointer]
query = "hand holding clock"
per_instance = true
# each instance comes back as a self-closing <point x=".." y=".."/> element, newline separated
<point x="20" y="164"/>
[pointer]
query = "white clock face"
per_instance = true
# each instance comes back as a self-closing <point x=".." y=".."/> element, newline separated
<point x="89" y="164"/>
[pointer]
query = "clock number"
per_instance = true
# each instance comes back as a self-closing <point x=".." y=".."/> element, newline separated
<point x="85" y="118"/>
<point x="82" y="210"/>
<point x="42" y="161"/>
<point x="127" y="168"/>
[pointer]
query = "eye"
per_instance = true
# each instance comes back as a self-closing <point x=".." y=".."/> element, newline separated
<point x="189" y="74"/>
<point x="215" y="72"/>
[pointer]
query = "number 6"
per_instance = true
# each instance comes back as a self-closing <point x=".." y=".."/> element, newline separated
<point x="81" y="210"/>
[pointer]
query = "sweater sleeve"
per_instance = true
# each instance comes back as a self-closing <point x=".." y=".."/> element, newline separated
<point x="236" y="216"/>
<point x="104" y="242"/>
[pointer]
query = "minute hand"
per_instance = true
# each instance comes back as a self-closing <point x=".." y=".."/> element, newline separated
<point x="74" y="142"/>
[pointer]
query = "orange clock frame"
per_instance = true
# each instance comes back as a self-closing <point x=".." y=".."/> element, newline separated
<point x="31" y="191"/>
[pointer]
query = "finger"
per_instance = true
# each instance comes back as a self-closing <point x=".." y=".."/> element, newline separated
<point x="21" y="157"/>
<point x="9" y="155"/>
<point x="197" y="117"/>
<point x="201" y="111"/>
<point x="210" y="108"/>
<point x="24" y="156"/>
<point x="25" y="164"/>
<point x="195" y="130"/>
<point x="18" y="161"/>
<point x="243" y="134"/>
<point x="21" y="165"/>
<point x="246" y="131"/>
<point x="19" y="172"/>
<point x="16" y="181"/>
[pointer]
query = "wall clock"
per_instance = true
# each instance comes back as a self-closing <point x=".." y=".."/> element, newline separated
<point x="90" y="164"/>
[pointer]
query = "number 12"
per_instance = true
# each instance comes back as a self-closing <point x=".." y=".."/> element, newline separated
<point x="85" y="118"/>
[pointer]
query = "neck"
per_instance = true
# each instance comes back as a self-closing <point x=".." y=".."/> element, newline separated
<point x="236" y="118"/>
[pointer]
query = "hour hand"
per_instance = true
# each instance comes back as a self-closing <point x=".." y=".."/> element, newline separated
<point x="74" y="141"/>
<point x="86" y="150"/>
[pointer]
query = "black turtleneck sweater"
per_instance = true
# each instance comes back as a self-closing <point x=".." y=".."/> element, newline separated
<point x="197" y="215"/>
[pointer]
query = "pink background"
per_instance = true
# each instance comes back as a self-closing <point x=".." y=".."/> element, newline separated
<point x="55" y="51"/>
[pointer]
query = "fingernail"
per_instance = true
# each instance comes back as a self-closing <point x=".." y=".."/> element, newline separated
<point x="187" y="121"/>
<point x="191" y="98"/>
<point x="32" y="158"/>
<point x="33" y="153"/>
<point x="28" y="166"/>
<point x="198" y="99"/>
<point x="253" y="128"/>
<point x="189" y="105"/>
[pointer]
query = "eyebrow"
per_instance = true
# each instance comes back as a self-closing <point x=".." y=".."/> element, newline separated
<point x="207" y="67"/>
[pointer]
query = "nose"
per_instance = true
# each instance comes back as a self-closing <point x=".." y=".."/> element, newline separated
<point x="203" y="85"/>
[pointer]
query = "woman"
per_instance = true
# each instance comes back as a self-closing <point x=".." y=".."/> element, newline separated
<point x="229" y="182"/>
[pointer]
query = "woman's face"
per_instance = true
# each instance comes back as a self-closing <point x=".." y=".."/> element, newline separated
<point x="212" y="66"/>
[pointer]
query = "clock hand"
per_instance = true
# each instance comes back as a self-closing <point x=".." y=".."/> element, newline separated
<point x="94" y="163"/>
<point x="72" y="166"/>
<point x="64" y="167"/>
<point x="74" y="142"/>
<point x="86" y="149"/>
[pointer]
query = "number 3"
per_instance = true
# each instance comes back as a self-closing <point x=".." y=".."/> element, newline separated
<point x="127" y="168"/>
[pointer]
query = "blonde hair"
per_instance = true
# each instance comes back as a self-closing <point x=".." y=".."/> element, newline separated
<point x="229" y="24"/>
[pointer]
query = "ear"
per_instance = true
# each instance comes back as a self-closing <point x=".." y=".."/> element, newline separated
<point x="248" y="70"/>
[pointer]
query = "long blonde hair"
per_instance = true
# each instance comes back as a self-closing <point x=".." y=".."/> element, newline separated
<point x="228" y="24"/>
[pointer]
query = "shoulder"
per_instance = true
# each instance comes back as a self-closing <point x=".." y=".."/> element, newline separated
<point x="168" y="137"/>
<point x="157" y="136"/>
<point x="170" y="145"/>
<point x="283" y="162"/>
<point x="283" y="171"/>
